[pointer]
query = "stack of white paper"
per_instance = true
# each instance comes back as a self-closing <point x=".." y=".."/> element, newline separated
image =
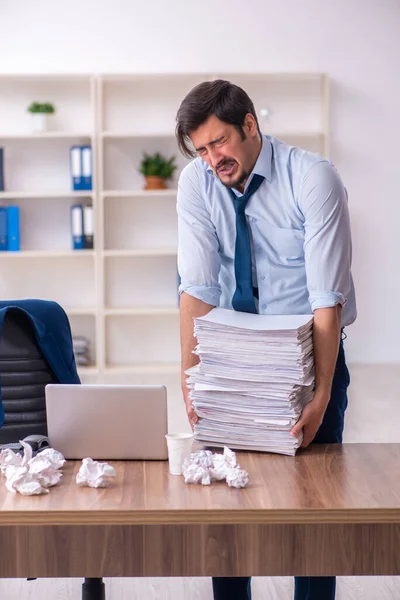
<point x="255" y="375"/>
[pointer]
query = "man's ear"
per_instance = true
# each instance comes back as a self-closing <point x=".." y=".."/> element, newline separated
<point x="250" y="125"/>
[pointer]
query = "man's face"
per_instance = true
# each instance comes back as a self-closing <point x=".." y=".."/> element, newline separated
<point x="230" y="156"/>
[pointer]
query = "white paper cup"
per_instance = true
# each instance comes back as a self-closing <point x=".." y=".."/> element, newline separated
<point x="179" y="447"/>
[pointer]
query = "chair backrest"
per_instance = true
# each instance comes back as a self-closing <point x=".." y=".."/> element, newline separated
<point x="24" y="373"/>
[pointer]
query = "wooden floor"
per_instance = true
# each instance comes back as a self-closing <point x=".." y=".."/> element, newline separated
<point x="373" y="416"/>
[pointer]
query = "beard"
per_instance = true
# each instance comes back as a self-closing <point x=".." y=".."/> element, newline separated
<point x="241" y="177"/>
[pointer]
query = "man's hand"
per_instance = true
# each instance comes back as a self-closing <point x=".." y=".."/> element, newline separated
<point x="310" y="421"/>
<point x="193" y="418"/>
<point x="326" y="336"/>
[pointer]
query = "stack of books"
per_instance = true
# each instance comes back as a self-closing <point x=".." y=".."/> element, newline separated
<point x="81" y="351"/>
<point x="255" y="375"/>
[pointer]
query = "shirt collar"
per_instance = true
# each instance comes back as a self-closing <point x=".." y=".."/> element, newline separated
<point x="263" y="164"/>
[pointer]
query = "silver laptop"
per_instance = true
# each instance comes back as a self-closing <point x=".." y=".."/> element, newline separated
<point x="109" y="422"/>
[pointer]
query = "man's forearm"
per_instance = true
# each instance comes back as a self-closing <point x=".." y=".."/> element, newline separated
<point x="190" y="308"/>
<point x="326" y="336"/>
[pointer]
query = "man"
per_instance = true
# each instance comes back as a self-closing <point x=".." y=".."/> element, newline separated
<point x="287" y="250"/>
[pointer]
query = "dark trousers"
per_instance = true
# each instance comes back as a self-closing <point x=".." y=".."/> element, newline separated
<point x="331" y="431"/>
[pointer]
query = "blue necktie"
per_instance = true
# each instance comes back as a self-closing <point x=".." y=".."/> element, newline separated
<point x="243" y="298"/>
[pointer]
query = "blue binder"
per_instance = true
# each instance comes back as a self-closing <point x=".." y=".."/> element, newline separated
<point x="3" y="228"/>
<point x="88" y="231"/>
<point x="13" y="237"/>
<point x="86" y="167"/>
<point x="75" y="162"/>
<point x="77" y="227"/>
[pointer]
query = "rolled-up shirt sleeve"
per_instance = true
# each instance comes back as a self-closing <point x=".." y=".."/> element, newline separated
<point x="327" y="246"/>
<point x="198" y="247"/>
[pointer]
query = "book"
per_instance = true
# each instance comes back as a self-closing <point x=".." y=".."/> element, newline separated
<point x="77" y="227"/>
<point x="3" y="228"/>
<point x="13" y="235"/>
<point x="86" y="167"/>
<point x="76" y="168"/>
<point x="88" y="230"/>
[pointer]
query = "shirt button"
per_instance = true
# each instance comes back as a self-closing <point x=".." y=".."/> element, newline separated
<point x="262" y="277"/>
<point x="264" y="306"/>
<point x="254" y="220"/>
<point x="258" y="248"/>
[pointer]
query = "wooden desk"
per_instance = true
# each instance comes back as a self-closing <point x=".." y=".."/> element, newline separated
<point x="331" y="510"/>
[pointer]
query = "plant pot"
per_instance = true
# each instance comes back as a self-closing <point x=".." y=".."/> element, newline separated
<point x="39" y="122"/>
<point x="154" y="182"/>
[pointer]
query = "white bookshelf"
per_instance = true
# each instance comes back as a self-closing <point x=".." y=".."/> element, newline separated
<point x="122" y="295"/>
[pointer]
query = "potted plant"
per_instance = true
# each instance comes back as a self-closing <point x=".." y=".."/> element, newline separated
<point x="39" y="114"/>
<point x="156" y="170"/>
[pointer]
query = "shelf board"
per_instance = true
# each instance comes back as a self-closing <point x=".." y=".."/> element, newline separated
<point x="133" y="135"/>
<point x="144" y="368"/>
<point x="47" y="254"/>
<point x="141" y="252"/>
<point x="45" y="135"/>
<point x="137" y="134"/>
<point x="138" y="193"/>
<point x="60" y="77"/>
<point x="87" y="370"/>
<point x="46" y="194"/>
<point x="295" y="134"/>
<point x="128" y="135"/>
<point x="271" y="76"/>
<point x="152" y="77"/>
<point x="141" y="311"/>
<point x="209" y="76"/>
<point x="80" y="310"/>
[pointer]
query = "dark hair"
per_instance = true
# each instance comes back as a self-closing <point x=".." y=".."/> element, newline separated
<point x="223" y="99"/>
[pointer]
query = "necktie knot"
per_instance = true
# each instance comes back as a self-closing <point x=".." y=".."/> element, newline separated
<point x="240" y="202"/>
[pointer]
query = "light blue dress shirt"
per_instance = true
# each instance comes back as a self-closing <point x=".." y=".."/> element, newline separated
<point x="299" y="229"/>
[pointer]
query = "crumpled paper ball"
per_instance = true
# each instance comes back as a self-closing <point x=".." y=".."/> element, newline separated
<point x="197" y="467"/>
<point x="95" y="474"/>
<point x="204" y="467"/>
<point x="31" y="476"/>
<point x="9" y="458"/>
<point x="237" y="478"/>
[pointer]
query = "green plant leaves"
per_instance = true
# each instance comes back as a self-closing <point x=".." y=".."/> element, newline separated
<point x="44" y="107"/>
<point x="157" y="165"/>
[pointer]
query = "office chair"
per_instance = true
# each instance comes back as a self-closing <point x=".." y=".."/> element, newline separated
<point x="35" y="349"/>
<point x="24" y="373"/>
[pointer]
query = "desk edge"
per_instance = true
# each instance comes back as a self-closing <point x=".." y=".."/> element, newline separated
<point x="200" y="517"/>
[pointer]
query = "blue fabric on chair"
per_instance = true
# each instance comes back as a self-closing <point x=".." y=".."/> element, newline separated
<point x="243" y="298"/>
<point x="53" y="334"/>
<point x="1" y="412"/>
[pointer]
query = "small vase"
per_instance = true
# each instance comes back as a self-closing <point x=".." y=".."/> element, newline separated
<point x="154" y="182"/>
<point x="39" y="122"/>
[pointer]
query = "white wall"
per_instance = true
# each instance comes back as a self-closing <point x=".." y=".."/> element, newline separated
<point x="356" y="41"/>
